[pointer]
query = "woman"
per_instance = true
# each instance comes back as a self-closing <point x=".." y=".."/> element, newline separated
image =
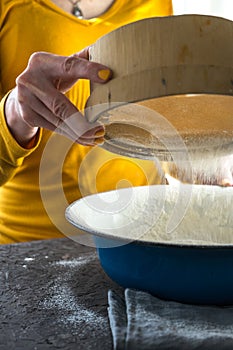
<point x="42" y="171"/>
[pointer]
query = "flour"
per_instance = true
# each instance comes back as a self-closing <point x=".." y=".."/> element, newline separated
<point x="29" y="259"/>
<point x="69" y="309"/>
<point x="65" y="300"/>
<point x="196" y="214"/>
<point x="214" y="169"/>
<point x="75" y="262"/>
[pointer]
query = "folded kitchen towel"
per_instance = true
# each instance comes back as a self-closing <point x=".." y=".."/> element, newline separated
<point x="142" y="321"/>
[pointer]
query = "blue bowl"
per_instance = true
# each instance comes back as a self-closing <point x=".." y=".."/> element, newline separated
<point x="187" y="273"/>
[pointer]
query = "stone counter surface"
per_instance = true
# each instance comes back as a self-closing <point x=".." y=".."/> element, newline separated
<point x="53" y="296"/>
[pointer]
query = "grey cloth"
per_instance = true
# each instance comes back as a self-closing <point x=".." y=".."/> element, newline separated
<point x="142" y="321"/>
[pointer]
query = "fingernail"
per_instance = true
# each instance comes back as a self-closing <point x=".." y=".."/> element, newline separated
<point x="99" y="133"/>
<point x="99" y="141"/>
<point x="104" y="74"/>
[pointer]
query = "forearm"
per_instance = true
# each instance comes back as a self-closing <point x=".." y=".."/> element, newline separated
<point x="12" y="153"/>
<point x="24" y="134"/>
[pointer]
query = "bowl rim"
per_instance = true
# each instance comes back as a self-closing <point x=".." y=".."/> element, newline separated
<point x="124" y="240"/>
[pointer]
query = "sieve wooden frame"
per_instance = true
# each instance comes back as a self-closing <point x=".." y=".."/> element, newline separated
<point x="160" y="57"/>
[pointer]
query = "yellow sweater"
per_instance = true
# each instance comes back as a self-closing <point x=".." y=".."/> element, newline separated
<point x="38" y="184"/>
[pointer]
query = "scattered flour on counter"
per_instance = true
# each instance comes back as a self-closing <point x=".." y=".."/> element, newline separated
<point x="74" y="262"/>
<point x="69" y="307"/>
<point x="70" y="311"/>
<point x="29" y="259"/>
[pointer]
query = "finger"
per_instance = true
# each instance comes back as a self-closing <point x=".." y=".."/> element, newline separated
<point x="91" y="142"/>
<point x="56" y="108"/>
<point x="73" y="66"/>
<point x="37" y="114"/>
<point x="104" y="73"/>
<point x="83" y="128"/>
<point x="73" y="127"/>
<point x="64" y="130"/>
<point x="37" y="120"/>
<point x="84" y="53"/>
<point x="82" y="68"/>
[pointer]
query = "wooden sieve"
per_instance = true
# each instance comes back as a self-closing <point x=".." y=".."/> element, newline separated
<point x="172" y="89"/>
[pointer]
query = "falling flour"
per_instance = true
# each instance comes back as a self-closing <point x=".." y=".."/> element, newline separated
<point x="214" y="169"/>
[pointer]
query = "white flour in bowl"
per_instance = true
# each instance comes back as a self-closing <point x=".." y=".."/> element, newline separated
<point x="177" y="214"/>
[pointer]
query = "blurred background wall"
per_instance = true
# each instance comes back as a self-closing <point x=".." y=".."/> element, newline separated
<point x="221" y="8"/>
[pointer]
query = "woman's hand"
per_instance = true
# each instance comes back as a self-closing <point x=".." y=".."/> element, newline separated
<point x="38" y="99"/>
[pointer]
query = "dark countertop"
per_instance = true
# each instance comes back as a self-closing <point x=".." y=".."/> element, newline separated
<point x="53" y="296"/>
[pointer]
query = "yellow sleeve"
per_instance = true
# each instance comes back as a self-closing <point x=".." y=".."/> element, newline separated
<point x="11" y="153"/>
